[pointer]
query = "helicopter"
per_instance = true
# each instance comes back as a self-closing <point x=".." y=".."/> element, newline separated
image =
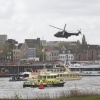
<point x="64" y="33"/>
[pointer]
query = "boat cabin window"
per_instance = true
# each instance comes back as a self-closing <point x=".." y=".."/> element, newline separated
<point x="52" y="77"/>
<point x="40" y="77"/>
<point x="67" y="74"/>
<point x="54" y="70"/>
<point x="38" y="80"/>
<point x="60" y="70"/>
<point x="71" y="75"/>
<point x="44" y="76"/>
<point x="63" y="69"/>
<point x="51" y="70"/>
<point x="60" y="75"/>
<point x="48" y="76"/>
<point x="96" y="69"/>
<point x="64" y="74"/>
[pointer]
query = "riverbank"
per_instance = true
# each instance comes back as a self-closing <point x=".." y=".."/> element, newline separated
<point x="73" y="94"/>
<point x="68" y="98"/>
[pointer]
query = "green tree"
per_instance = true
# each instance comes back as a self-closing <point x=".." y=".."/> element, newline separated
<point x="5" y="50"/>
<point x="78" y="42"/>
<point x="40" y="54"/>
<point x="84" y="40"/>
<point x="63" y="43"/>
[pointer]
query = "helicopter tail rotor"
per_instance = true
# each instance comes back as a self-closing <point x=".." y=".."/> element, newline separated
<point x="79" y="32"/>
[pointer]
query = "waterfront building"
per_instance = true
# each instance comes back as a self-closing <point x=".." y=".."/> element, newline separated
<point x="3" y="39"/>
<point x="16" y="54"/>
<point x="34" y="43"/>
<point x="52" y="54"/>
<point x="29" y="47"/>
<point x="66" y="57"/>
<point x="28" y="51"/>
<point x="87" y="53"/>
<point x="43" y="43"/>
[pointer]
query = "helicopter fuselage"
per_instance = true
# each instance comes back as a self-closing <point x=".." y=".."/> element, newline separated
<point x="65" y="34"/>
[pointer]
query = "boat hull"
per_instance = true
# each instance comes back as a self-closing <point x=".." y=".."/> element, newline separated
<point x="61" y="84"/>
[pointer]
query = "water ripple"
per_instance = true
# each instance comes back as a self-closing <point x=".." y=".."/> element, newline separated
<point x="10" y="89"/>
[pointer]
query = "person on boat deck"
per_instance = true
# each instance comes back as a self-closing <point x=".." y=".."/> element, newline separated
<point x="13" y="77"/>
<point x="18" y="77"/>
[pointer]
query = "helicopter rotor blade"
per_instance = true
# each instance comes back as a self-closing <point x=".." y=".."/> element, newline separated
<point x="64" y="29"/>
<point x="55" y="27"/>
<point x="63" y="33"/>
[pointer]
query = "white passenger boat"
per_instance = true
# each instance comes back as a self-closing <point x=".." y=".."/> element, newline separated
<point x="65" y="74"/>
<point x="85" y="69"/>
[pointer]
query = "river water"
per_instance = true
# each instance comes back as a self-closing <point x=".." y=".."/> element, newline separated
<point x="11" y="89"/>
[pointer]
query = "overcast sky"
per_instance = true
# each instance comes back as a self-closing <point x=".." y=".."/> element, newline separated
<point x="21" y="19"/>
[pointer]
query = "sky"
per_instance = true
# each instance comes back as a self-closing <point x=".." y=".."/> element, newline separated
<point x="30" y="19"/>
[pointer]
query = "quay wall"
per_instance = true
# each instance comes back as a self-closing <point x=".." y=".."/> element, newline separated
<point x="12" y="69"/>
<point x="18" y="69"/>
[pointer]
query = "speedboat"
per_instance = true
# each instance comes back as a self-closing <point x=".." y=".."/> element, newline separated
<point x="22" y="76"/>
<point x="17" y="78"/>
